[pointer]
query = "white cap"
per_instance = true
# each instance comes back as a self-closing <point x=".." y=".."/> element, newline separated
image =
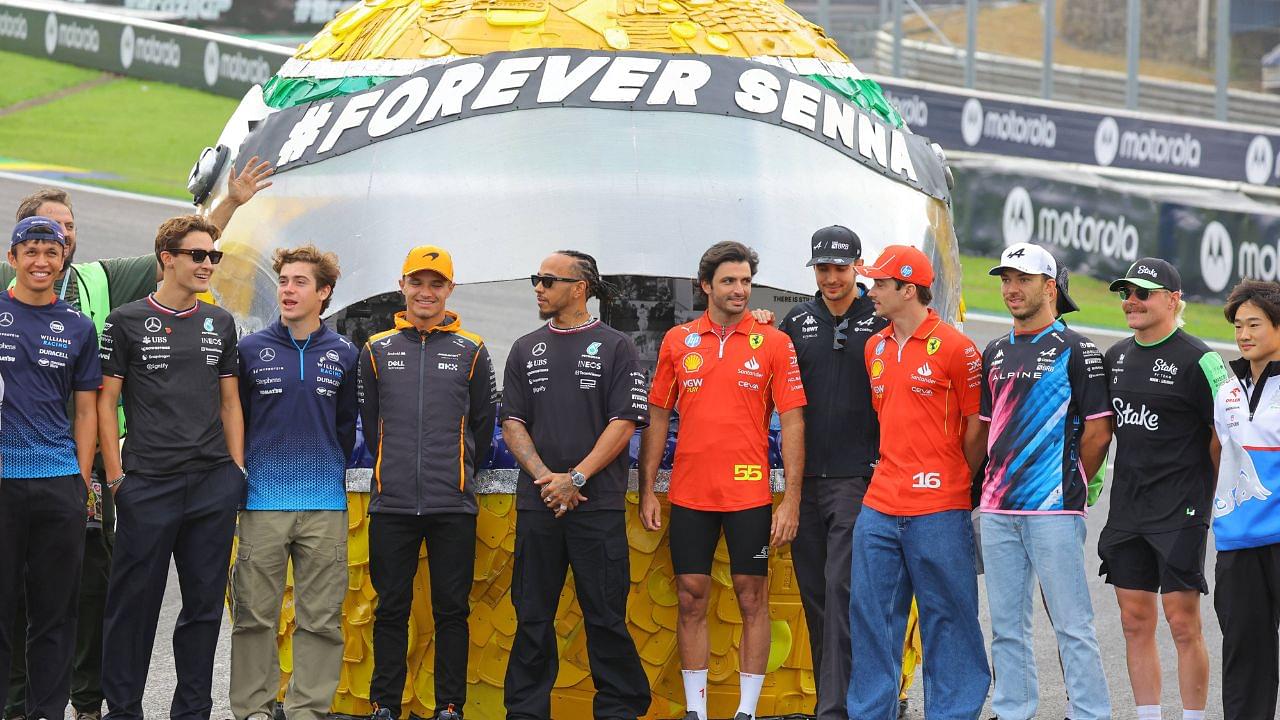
<point x="1027" y="258"/>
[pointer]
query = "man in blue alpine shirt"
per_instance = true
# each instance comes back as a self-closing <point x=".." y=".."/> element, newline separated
<point x="428" y="402"/>
<point x="47" y="358"/>
<point x="300" y="405"/>
<point x="174" y="359"/>
<point x="1046" y="420"/>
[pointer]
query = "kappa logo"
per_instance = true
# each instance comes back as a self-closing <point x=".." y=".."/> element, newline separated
<point x="751" y="364"/>
<point x="539" y="349"/>
<point x="762" y="555"/>
<point x="151" y="324"/>
<point x="1259" y="160"/>
<point x="1217" y="255"/>
<point x="999" y="354"/>
<point x="1008" y="126"/>
<point x="267" y="355"/>
<point x="809" y="321"/>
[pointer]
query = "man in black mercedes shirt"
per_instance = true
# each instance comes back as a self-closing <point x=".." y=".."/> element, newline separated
<point x="181" y="476"/>
<point x="841" y="439"/>
<point x="1163" y="383"/>
<point x="573" y="395"/>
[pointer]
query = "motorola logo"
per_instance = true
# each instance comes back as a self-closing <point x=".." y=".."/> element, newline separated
<point x="69" y="35"/>
<point x="1259" y="160"/>
<point x="1216" y="253"/>
<point x="1008" y="126"/>
<point x="234" y="66"/>
<point x="1106" y="141"/>
<point x="13" y="26"/>
<point x="913" y="109"/>
<point x="971" y="122"/>
<point x="1019" y="218"/>
<point x="148" y="49"/>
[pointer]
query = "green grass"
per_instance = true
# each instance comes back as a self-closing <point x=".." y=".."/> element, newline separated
<point x="1099" y="306"/>
<point x="27" y="77"/>
<point x="146" y="134"/>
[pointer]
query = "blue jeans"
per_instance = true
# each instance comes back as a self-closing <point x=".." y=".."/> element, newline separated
<point x="1016" y="550"/>
<point x="930" y="556"/>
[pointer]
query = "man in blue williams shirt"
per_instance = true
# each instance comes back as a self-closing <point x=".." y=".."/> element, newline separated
<point x="298" y="391"/>
<point x="48" y="354"/>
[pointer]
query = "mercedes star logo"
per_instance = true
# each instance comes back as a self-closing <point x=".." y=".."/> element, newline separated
<point x="6" y="319"/>
<point x="152" y="324"/>
<point x="539" y="349"/>
<point x="267" y="355"/>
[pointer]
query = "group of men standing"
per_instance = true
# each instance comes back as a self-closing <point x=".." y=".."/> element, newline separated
<point x="887" y="415"/>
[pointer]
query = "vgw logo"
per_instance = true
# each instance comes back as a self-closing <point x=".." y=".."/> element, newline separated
<point x="1067" y="228"/>
<point x="1008" y="126"/>
<point x="69" y="36"/>
<point x="1150" y="147"/>
<point x="1259" y="160"/>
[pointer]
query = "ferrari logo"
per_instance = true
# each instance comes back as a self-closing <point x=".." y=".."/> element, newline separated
<point x="756" y="340"/>
<point x="932" y="345"/>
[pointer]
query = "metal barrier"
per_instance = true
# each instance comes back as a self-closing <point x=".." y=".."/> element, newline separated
<point x="1003" y="73"/>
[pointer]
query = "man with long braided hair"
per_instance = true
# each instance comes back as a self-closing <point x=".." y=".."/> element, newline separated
<point x="573" y="395"/>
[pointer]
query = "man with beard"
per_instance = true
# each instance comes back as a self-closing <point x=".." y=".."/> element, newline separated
<point x="573" y="396"/>
<point x="724" y="373"/>
<point x="1047" y="424"/>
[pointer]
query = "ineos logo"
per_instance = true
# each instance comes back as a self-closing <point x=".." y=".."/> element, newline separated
<point x="151" y="324"/>
<point x="1259" y="160"/>
<point x="971" y="122"/>
<point x="1106" y="141"/>
<point x="1216" y="254"/>
<point x="1019" y="217"/>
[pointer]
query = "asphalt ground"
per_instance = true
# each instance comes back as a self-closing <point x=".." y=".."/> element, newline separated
<point x="115" y="224"/>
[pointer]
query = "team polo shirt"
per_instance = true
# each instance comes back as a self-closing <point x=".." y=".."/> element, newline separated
<point x="1038" y="389"/>
<point x="172" y="363"/>
<point x="922" y="391"/>
<point x="724" y="390"/>
<point x="47" y="352"/>
<point x="1162" y="395"/>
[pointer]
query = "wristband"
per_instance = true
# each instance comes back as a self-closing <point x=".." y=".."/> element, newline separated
<point x="112" y="484"/>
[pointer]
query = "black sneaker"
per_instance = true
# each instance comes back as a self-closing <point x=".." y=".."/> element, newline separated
<point x="449" y="714"/>
<point x="381" y="713"/>
<point x="743" y="716"/>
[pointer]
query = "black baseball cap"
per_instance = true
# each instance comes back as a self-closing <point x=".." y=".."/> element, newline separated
<point x="1065" y="303"/>
<point x="1153" y="274"/>
<point x="37" y="227"/>
<point x="835" y="245"/>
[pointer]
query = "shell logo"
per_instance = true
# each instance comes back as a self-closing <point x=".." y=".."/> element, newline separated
<point x="693" y="362"/>
<point x="877" y="368"/>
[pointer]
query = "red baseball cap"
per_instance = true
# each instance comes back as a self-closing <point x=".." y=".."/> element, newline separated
<point x="901" y="262"/>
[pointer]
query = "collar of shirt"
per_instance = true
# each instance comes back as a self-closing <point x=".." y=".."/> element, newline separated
<point x="704" y="325"/>
<point x="1034" y="337"/>
<point x="931" y="323"/>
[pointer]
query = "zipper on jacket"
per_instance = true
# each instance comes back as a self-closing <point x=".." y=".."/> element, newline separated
<point x="422" y="371"/>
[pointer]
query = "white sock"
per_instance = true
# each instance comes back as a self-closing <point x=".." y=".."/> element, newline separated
<point x="749" y="688"/>
<point x="695" y="692"/>
<point x="1071" y="711"/>
<point x="1192" y="714"/>
<point x="1148" y="712"/>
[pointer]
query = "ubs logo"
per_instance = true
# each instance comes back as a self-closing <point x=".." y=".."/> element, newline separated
<point x="1216" y="253"/>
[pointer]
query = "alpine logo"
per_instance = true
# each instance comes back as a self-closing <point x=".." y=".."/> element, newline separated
<point x="1112" y="238"/>
<point x="1259" y="159"/>
<point x="1008" y="126"/>
<point x="1150" y="147"/>
<point x="1049" y="354"/>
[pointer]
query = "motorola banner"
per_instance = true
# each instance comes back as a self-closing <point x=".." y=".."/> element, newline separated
<point x="153" y="51"/>
<point x="1098" y="228"/>
<point x="1023" y="127"/>
<point x="258" y="16"/>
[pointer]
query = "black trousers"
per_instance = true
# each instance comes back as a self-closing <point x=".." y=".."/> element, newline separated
<point x="42" y="530"/>
<point x="822" y="557"/>
<point x="1247" y="599"/>
<point x="190" y="517"/>
<point x="394" y="541"/>
<point x="594" y="544"/>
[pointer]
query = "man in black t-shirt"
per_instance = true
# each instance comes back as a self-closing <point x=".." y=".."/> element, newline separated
<point x="181" y="476"/>
<point x="1163" y="383"/>
<point x="573" y="396"/>
<point x="842" y="436"/>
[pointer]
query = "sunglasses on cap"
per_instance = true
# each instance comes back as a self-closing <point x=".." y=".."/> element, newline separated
<point x="215" y="256"/>
<point x="548" y="280"/>
<point x="1140" y="292"/>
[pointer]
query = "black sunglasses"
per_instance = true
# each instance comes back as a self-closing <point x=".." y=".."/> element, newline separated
<point x="549" y="280"/>
<point x="837" y="343"/>
<point x="1141" y="292"/>
<point x="215" y="256"/>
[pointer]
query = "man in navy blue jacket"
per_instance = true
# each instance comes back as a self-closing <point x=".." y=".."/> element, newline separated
<point x="299" y="394"/>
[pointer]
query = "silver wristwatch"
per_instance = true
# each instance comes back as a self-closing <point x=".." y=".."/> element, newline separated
<point x="579" y="480"/>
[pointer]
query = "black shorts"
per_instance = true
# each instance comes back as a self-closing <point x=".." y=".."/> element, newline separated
<point x="695" y="534"/>
<point x="1155" y="562"/>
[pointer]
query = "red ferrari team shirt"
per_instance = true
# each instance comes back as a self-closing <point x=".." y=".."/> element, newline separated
<point x="922" y="391"/>
<point x="724" y="390"/>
